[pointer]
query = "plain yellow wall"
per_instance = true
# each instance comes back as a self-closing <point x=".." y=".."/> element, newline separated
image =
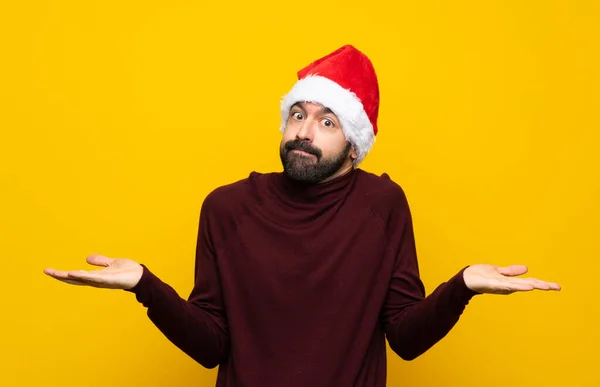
<point x="118" y="117"/>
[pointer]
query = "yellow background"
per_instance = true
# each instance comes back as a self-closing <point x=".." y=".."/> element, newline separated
<point x="118" y="117"/>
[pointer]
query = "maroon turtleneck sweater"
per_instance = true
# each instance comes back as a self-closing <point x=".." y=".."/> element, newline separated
<point x="300" y="285"/>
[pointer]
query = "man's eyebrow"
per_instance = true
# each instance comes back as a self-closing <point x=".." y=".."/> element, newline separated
<point x="326" y="110"/>
<point x="299" y="105"/>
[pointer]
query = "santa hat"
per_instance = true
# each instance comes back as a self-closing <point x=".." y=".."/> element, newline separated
<point x="345" y="82"/>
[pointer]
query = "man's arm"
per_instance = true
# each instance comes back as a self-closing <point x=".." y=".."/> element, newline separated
<point x="197" y="325"/>
<point x="412" y="322"/>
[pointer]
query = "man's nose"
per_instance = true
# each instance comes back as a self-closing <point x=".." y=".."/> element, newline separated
<point x="306" y="131"/>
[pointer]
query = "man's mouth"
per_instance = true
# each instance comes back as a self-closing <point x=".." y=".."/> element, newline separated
<point x="301" y="152"/>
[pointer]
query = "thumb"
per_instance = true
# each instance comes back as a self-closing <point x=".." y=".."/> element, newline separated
<point x="99" y="260"/>
<point x="512" y="270"/>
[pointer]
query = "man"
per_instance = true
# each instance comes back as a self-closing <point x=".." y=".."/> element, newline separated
<point x="302" y="275"/>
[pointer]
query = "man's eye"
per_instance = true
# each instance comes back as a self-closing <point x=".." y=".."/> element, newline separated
<point x="328" y="123"/>
<point x="297" y="115"/>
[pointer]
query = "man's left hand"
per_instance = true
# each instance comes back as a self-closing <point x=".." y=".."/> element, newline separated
<point x="502" y="280"/>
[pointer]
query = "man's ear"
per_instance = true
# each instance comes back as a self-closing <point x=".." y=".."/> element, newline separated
<point x="353" y="153"/>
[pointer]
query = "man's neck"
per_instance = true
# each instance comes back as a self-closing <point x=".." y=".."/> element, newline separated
<point x="341" y="172"/>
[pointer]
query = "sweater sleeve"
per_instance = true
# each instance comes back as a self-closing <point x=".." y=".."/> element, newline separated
<point x="414" y="322"/>
<point x="196" y="325"/>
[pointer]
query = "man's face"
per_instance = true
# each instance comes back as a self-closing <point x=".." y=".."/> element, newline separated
<point x="313" y="148"/>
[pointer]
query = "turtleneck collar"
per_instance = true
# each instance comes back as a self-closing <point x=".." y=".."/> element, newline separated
<point x="299" y="192"/>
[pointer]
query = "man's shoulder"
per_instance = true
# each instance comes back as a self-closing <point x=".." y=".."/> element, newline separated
<point x="381" y="187"/>
<point x="380" y="192"/>
<point x="241" y="192"/>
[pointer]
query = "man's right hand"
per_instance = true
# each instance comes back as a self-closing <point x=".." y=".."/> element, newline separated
<point x="118" y="273"/>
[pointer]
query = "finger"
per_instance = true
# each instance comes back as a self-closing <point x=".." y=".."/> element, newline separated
<point x="95" y="279"/>
<point x="62" y="276"/>
<point x="503" y="287"/>
<point x="542" y="285"/>
<point x="512" y="270"/>
<point x="535" y="283"/>
<point x="551" y="285"/>
<point x="89" y="283"/>
<point x="92" y="278"/>
<point x="87" y="276"/>
<point x="509" y="285"/>
<point x="66" y="275"/>
<point x="554" y="286"/>
<point x="58" y="274"/>
<point x="73" y="282"/>
<point x="99" y="260"/>
<point x="519" y="286"/>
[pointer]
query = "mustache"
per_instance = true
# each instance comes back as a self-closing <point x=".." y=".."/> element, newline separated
<point x="302" y="146"/>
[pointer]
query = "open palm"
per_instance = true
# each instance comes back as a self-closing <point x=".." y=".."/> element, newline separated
<point x="503" y="280"/>
<point x="118" y="273"/>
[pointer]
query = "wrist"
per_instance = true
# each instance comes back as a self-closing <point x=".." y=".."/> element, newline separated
<point x="141" y="279"/>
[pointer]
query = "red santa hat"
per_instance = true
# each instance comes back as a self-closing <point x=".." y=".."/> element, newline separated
<point x="345" y="82"/>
